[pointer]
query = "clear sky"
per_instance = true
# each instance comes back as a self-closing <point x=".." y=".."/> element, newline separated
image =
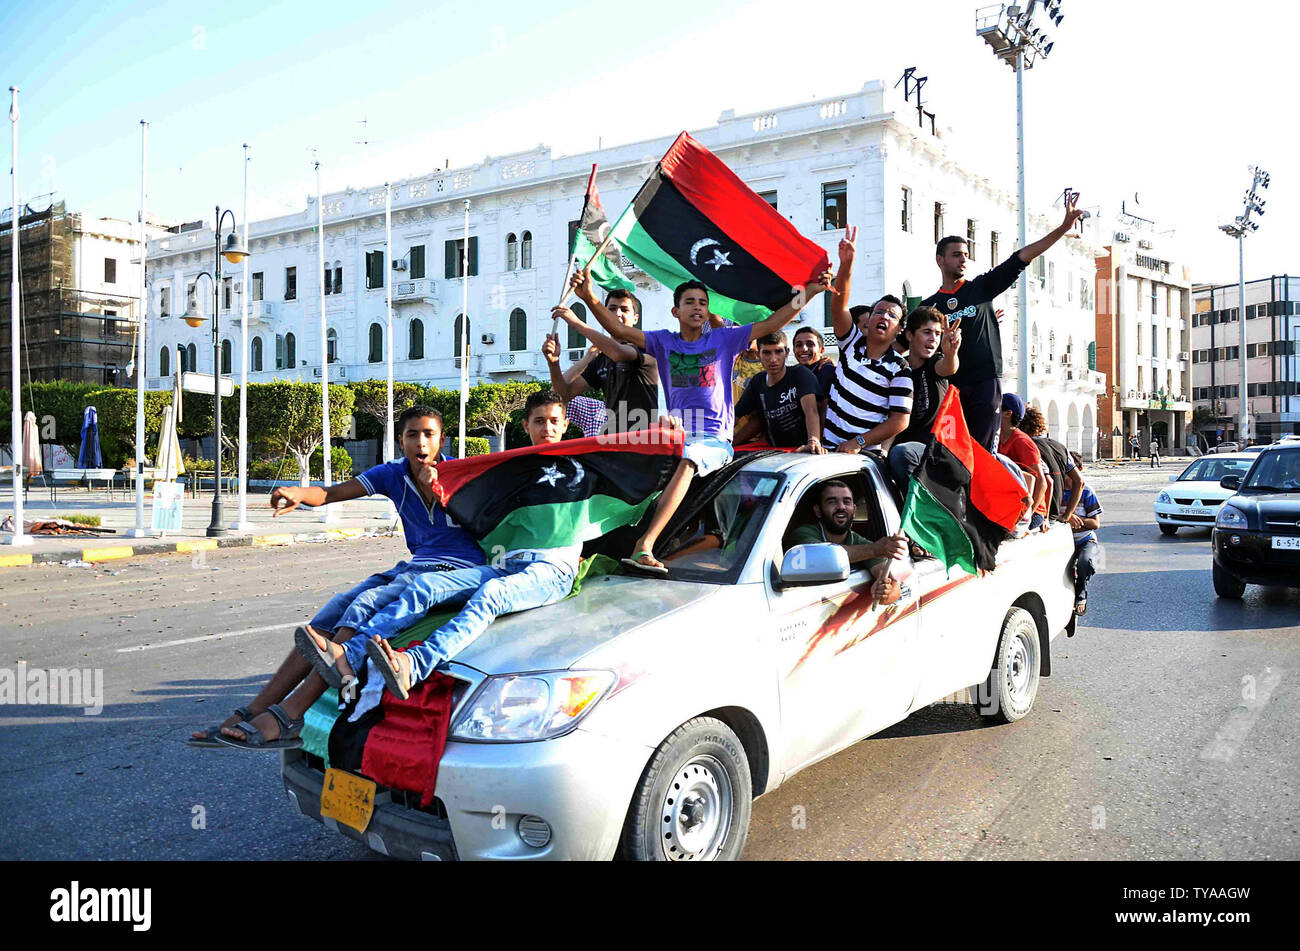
<point x="1169" y="101"/>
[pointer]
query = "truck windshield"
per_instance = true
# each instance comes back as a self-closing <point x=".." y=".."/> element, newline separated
<point x="712" y="545"/>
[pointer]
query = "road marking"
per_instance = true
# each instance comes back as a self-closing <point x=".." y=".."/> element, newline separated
<point x="207" y="637"/>
<point x="1227" y="741"/>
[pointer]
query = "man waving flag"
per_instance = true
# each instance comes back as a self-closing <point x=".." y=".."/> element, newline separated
<point x="694" y="219"/>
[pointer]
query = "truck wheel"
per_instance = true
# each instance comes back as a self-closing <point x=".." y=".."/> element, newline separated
<point x="694" y="798"/>
<point x="1009" y="693"/>
<point x="1168" y="529"/>
<point x="1227" y="585"/>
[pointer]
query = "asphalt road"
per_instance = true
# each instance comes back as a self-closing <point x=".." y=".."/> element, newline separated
<point x="1167" y="731"/>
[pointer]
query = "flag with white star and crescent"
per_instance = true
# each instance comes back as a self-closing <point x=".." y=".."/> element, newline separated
<point x="694" y="219"/>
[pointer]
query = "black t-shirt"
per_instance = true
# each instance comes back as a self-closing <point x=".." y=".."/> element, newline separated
<point x="981" y="338"/>
<point x="782" y="413"/>
<point x="631" y="389"/>
<point x="928" y="391"/>
<point x="824" y="371"/>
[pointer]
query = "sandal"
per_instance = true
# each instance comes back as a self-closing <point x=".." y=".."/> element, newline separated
<point x="210" y="740"/>
<point x="1081" y="607"/>
<point x="391" y="674"/>
<point x="656" y="570"/>
<point x="256" y="740"/>
<point x="320" y="660"/>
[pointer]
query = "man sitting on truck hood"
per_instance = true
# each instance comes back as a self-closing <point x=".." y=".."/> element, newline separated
<point x="834" y="511"/>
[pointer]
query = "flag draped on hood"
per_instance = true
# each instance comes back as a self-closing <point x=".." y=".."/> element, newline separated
<point x="694" y="219"/>
<point x="961" y="502"/>
<point x="593" y="227"/>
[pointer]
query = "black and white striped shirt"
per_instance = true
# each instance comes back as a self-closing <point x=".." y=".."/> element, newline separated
<point x="865" y="391"/>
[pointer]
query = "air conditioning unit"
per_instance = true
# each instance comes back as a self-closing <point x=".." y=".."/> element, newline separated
<point x="489" y="338"/>
<point x="576" y="355"/>
<point x="399" y="264"/>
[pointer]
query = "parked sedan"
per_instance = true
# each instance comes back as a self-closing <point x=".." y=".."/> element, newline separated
<point x="1195" y="495"/>
<point x="1257" y="531"/>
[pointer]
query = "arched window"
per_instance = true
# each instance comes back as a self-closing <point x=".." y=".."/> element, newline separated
<point x="416" y="349"/>
<point x="225" y="356"/>
<point x="290" y="351"/>
<point x="526" y="250"/>
<point x="165" y="361"/>
<point x="256" y="349"/>
<point x="376" y="343"/>
<point x="192" y="358"/>
<point x="576" y="340"/>
<point x="331" y="345"/>
<point x="512" y="252"/>
<point x="460" y="321"/>
<point x="338" y="277"/>
<point x="518" y="329"/>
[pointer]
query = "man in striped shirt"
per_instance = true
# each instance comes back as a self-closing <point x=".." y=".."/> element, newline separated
<point x="871" y="398"/>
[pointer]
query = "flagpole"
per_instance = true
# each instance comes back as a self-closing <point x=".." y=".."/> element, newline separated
<point x="464" y="335"/>
<point x="141" y="341"/>
<point x="573" y="258"/>
<point x="16" y="539"/>
<point x="388" y="285"/>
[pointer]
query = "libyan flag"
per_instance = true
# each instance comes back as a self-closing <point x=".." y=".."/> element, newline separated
<point x="558" y="494"/>
<point x="961" y="503"/>
<point x="593" y="227"/>
<point x="694" y="219"/>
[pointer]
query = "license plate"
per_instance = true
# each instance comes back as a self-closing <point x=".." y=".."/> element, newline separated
<point x="1192" y="510"/>
<point x="1292" y="542"/>
<point x="347" y="799"/>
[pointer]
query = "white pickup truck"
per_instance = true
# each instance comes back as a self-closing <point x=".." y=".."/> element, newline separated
<point x="754" y="660"/>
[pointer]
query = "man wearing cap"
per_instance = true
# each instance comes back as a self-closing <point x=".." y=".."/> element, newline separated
<point x="1020" y="449"/>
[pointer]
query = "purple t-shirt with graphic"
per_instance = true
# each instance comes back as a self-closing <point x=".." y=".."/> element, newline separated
<point x="696" y="376"/>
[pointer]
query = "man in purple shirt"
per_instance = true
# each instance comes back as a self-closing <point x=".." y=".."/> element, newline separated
<point x="694" y="364"/>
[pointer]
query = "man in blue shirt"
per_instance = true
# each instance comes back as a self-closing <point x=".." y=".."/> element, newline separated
<point x="1085" y="519"/>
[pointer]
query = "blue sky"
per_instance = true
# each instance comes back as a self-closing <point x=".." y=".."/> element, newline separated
<point x="1171" y="101"/>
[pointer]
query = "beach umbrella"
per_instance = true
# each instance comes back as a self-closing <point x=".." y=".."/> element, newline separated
<point x="31" y="446"/>
<point x="89" y="457"/>
<point x="169" y="449"/>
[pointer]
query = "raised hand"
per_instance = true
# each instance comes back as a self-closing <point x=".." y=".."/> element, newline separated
<point x="1072" y="211"/>
<point x="582" y="285"/>
<point x="551" y="348"/>
<point x="952" y="337"/>
<point x="849" y="245"/>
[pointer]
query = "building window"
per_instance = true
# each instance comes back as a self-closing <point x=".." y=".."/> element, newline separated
<point x="1155" y="341"/>
<point x="165" y="361"/>
<point x="110" y="375"/>
<point x="1051" y="279"/>
<point x="376" y="343"/>
<point x="255" y="347"/>
<point x="770" y="198"/>
<point x="512" y="252"/>
<point x="526" y="250"/>
<point x="291" y="283"/>
<point x="165" y="302"/>
<point x="970" y="238"/>
<point x="256" y="286"/>
<point x="1153" y="298"/>
<point x="290" y="351"/>
<point x="225" y="356"/>
<point x="110" y="270"/>
<point x="191" y="296"/>
<point x="417" y="261"/>
<point x="415" y="345"/>
<point x="338" y="276"/>
<point x="907" y="209"/>
<point x="279" y="352"/>
<point x="576" y="340"/>
<point x="192" y="358"/>
<point x="518" y="330"/>
<point x="454" y="257"/>
<point x="374" y="269"/>
<point x="331" y="346"/>
<point x="227" y="288"/>
<point x="461" y="329"/>
<point x="1139" y="340"/>
<point x="835" y="211"/>
<point x="327" y="284"/>
<point x="1040" y="271"/>
<point x="993" y="248"/>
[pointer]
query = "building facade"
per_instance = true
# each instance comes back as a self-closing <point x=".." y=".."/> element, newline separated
<point x="824" y="164"/>
<point x="1272" y="359"/>
<point x="1143" y="307"/>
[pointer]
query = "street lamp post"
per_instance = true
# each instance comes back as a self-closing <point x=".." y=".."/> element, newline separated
<point x="1240" y="227"/>
<point x="234" y="252"/>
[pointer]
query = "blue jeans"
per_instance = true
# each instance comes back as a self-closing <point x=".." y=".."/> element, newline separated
<point x="1083" y="566"/>
<point x="486" y="592"/>
<point x="353" y="608"/>
<point x="904" y="459"/>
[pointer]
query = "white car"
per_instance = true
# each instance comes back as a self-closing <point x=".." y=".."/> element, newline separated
<point x="1194" y="496"/>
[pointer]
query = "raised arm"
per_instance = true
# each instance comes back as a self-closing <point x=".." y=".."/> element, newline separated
<point x="948" y="363"/>
<point x="568" y="384"/>
<point x="586" y="291"/>
<point x="787" y="313"/>
<point x="616" y="351"/>
<point x="1072" y="214"/>
<point x="841" y="319"/>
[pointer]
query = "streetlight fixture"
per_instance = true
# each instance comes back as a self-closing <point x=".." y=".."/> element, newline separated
<point x="234" y="252"/>
<point x="1240" y="227"/>
<point x="1010" y="32"/>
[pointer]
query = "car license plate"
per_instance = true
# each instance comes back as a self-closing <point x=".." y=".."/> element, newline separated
<point x="347" y="799"/>
<point x="1284" y="541"/>
<point x="1193" y="510"/>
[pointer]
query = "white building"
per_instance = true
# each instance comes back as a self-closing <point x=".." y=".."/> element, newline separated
<point x="823" y="164"/>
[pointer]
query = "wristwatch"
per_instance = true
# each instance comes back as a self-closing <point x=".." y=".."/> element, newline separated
<point x="862" y="442"/>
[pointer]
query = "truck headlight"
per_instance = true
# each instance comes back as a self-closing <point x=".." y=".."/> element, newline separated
<point x="516" y="708"/>
<point x="1163" y="498"/>
<point x="1230" y="517"/>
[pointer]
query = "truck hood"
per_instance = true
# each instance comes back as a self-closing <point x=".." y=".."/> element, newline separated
<point x="557" y="635"/>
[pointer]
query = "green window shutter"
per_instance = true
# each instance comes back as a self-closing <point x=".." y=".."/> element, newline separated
<point x="417" y="262"/>
<point x="450" y="253"/>
<point x="473" y="257"/>
<point x="1092" y="355"/>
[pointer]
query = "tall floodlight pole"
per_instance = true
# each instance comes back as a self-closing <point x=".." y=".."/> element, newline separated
<point x="1242" y="226"/>
<point x="242" y="524"/>
<point x="1009" y="30"/>
<point x="15" y="312"/>
<point x="388" y="343"/>
<point x="141" y="341"/>
<point x="464" y="334"/>
<point x="326" y="516"/>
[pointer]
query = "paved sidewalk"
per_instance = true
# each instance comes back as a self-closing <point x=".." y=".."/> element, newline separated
<point x="349" y="520"/>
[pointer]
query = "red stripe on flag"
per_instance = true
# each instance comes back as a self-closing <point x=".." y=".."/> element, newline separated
<point x="724" y="199"/>
<point x="950" y="429"/>
<point x="993" y="490"/>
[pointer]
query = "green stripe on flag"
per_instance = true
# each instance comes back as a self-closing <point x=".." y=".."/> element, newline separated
<point x="934" y="528"/>
<point x="557" y="524"/>
<point x="603" y="271"/>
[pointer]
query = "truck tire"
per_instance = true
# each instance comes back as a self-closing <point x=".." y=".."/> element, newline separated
<point x="694" y="798"/>
<point x="1008" y="694"/>
<point x="1228" y="585"/>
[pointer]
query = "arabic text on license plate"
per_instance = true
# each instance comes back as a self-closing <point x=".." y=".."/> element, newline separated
<point x="347" y="799"/>
<point x="1192" y="510"/>
<point x="1283" y="541"/>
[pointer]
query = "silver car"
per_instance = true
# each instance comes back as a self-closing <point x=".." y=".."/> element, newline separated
<point x="641" y="718"/>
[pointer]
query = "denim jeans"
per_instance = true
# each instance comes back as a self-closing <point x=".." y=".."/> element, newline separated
<point x="904" y="459"/>
<point x="353" y="608"/>
<point x="329" y="617"/>
<point x="486" y="592"/>
<point x="1083" y="566"/>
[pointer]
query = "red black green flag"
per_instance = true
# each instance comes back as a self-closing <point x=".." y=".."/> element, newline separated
<point x="961" y="503"/>
<point x="593" y="228"/>
<point x="694" y="219"/>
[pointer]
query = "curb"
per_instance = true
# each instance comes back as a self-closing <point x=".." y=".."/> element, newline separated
<point x="189" y="546"/>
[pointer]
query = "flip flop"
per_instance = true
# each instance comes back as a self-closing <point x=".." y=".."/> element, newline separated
<point x="211" y="741"/>
<point x="386" y="670"/>
<point x="654" y="571"/>
<point x="1081" y="607"/>
<point x="256" y="740"/>
<point x="320" y="660"/>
